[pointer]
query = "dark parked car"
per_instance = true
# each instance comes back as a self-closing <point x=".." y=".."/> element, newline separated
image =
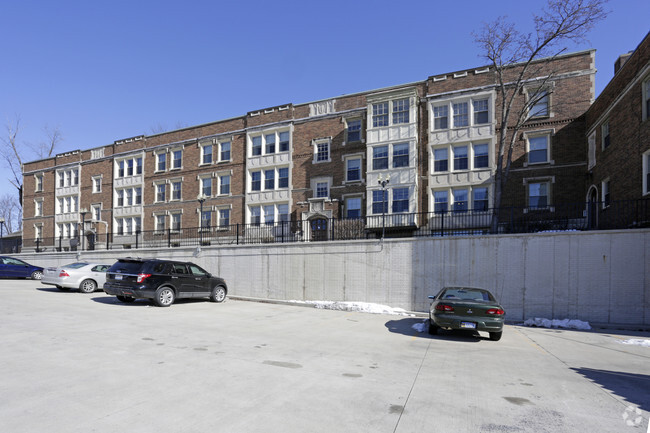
<point x="14" y="268"/>
<point x="466" y="308"/>
<point x="162" y="280"/>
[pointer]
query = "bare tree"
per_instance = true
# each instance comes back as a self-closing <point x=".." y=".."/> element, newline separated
<point x="519" y="58"/>
<point x="11" y="211"/>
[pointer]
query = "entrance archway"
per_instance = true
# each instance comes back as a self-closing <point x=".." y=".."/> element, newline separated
<point x="592" y="208"/>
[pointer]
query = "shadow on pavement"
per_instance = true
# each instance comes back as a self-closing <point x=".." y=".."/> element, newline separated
<point x="405" y="327"/>
<point x="634" y="388"/>
<point x="112" y="300"/>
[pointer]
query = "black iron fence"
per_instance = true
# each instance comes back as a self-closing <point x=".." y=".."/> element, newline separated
<point x="558" y="217"/>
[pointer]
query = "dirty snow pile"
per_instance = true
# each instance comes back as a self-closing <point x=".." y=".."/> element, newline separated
<point x="420" y="327"/>
<point x="362" y="307"/>
<point x="637" y="342"/>
<point x="555" y="323"/>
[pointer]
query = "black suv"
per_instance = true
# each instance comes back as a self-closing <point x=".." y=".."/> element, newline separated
<point x="162" y="280"/>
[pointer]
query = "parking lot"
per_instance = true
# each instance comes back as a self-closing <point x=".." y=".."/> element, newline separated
<point x="74" y="362"/>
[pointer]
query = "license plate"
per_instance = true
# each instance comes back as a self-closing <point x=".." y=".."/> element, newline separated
<point x="468" y="325"/>
<point x="118" y="277"/>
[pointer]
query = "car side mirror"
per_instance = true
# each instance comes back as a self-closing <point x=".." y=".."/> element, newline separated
<point x="209" y="275"/>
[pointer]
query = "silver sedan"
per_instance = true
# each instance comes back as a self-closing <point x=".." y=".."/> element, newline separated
<point x="87" y="277"/>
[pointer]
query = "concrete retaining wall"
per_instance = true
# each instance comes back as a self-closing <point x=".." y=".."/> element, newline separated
<point x="601" y="277"/>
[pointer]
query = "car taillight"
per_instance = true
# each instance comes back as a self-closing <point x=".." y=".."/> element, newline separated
<point x="63" y="274"/>
<point x="496" y="311"/>
<point x="443" y="307"/>
<point x="142" y="277"/>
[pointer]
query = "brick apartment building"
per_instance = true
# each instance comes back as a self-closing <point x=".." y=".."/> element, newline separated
<point x="432" y="143"/>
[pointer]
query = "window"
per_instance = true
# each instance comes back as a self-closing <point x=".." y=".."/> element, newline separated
<point x="400" y="155"/>
<point x="137" y="222"/>
<point x="38" y="181"/>
<point x="646" y="172"/>
<point x="322" y="189"/>
<point x="440" y="201"/>
<point x="400" y="200"/>
<point x="401" y="111"/>
<point x="538" y="149"/>
<point x="256" y="181"/>
<point x="224" y="154"/>
<point x="38" y="207"/>
<point x="353" y="169"/>
<point x="440" y="160"/>
<point x="206" y="219"/>
<point x="176" y="190"/>
<point x="61" y="180"/>
<point x="269" y="214"/>
<point x="284" y="141"/>
<point x="380" y="158"/>
<point x="128" y="226"/>
<point x="161" y="162"/>
<point x="176" y="222"/>
<point x="120" y="169"/>
<point x="538" y="197"/>
<point x="379" y="202"/>
<point x="441" y="117"/>
<point x="460" y="200"/>
<point x="120" y="197"/>
<point x="460" y="158"/>
<point x="255" y="215"/>
<point x="129" y="167"/>
<point x="257" y="145"/>
<point x="224" y="184"/>
<point x="129" y="197"/>
<point x="138" y="195"/>
<point x="380" y="114"/>
<point x="354" y="130"/>
<point x="160" y="222"/>
<point x="177" y="161"/>
<point x="539" y="103"/>
<point x="96" y="212"/>
<point x="460" y="114"/>
<point x="206" y="186"/>
<point x="160" y="192"/>
<point x="269" y="179"/>
<point x="481" y="158"/>
<point x="38" y="231"/>
<point x="283" y="177"/>
<point x="480" y="199"/>
<point x="97" y="184"/>
<point x="480" y="111"/>
<point x="353" y="207"/>
<point x="323" y="151"/>
<point x="206" y="154"/>
<point x="283" y="212"/>
<point x="224" y="217"/>
<point x="606" y="199"/>
<point x="646" y="100"/>
<point x="270" y="143"/>
<point x="604" y="131"/>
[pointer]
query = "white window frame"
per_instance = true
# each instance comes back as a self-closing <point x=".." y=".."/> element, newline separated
<point x="172" y="159"/>
<point x="172" y="215"/>
<point x="646" y="172"/>
<point x="38" y="182"/>
<point x="319" y="180"/>
<point x="550" y="180"/>
<point x="204" y="146"/>
<point x="157" y="155"/>
<point x="202" y="178"/>
<point x="353" y="157"/>
<point x="157" y="185"/>
<point x="347" y="198"/>
<point x="94" y="183"/>
<point x="220" y="176"/>
<point x="645" y="95"/>
<point x="172" y="182"/>
<point x="220" y="150"/>
<point x="605" y="131"/>
<point x="549" y="133"/>
<point x="156" y="217"/>
<point x="605" y="187"/>
<point x="347" y="122"/>
<point x="262" y="134"/>
<point x="219" y="211"/>
<point x="319" y="142"/>
<point x="532" y="91"/>
<point x="94" y="208"/>
<point x="38" y="207"/>
<point x="391" y="102"/>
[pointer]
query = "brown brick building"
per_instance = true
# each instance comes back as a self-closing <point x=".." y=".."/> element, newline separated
<point x="403" y="151"/>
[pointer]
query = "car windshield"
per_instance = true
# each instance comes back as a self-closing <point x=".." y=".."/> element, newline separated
<point x="76" y="265"/>
<point x="467" y="294"/>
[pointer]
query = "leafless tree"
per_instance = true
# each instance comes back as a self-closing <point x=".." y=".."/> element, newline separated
<point x="519" y="58"/>
<point x="159" y="128"/>
<point x="11" y="211"/>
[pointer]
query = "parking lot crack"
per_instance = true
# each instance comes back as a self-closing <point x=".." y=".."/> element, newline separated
<point x="417" y="374"/>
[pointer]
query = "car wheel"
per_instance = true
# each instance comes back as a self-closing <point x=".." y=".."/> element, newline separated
<point x="218" y="294"/>
<point x="87" y="286"/>
<point x="495" y="336"/>
<point x="433" y="328"/>
<point x="126" y="299"/>
<point x="164" y="296"/>
<point x="37" y="275"/>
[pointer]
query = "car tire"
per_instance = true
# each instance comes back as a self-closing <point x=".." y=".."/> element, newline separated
<point x="87" y="286"/>
<point x="433" y="328"/>
<point x="495" y="336"/>
<point x="218" y="294"/>
<point x="125" y="299"/>
<point x="164" y="296"/>
<point x="37" y="275"/>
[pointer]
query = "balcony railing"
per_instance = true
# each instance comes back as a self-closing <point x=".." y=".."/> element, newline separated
<point x="557" y="217"/>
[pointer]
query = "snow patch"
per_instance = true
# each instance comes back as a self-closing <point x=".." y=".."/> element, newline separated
<point x="555" y="323"/>
<point x="420" y="326"/>
<point x="637" y="342"/>
<point x="362" y="307"/>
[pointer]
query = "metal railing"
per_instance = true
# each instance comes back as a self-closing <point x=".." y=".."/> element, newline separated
<point x="557" y="217"/>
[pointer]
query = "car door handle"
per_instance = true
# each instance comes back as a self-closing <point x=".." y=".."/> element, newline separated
<point x="174" y="278"/>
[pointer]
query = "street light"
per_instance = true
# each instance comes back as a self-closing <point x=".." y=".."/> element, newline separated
<point x="2" y="224"/>
<point x="384" y="205"/>
<point x="201" y="198"/>
<point x="83" y="211"/>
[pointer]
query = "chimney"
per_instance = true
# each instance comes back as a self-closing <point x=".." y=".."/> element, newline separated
<point x="618" y="64"/>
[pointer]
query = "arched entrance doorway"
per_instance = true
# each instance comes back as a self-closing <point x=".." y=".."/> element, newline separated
<point x="592" y="208"/>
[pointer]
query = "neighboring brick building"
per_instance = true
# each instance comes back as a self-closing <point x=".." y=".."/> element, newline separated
<point x="618" y="131"/>
<point x="433" y="140"/>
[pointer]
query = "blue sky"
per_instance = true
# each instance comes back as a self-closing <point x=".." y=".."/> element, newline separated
<point x="103" y="71"/>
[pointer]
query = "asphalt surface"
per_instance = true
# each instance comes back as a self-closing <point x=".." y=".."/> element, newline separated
<point x="73" y="362"/>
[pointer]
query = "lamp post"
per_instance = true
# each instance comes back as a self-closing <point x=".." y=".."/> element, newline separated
<point x="383" y="183"/>
<point x="201" y="198"/>
<point x="83" y="211"/>
<point x="2" y="224"/>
